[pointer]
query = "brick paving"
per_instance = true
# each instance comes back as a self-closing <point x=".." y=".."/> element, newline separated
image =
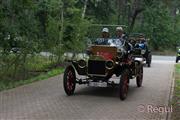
<point x="46" y="100"/>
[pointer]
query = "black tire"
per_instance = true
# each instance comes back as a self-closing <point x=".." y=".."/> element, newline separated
<point x="177" y="59"/>
<point x="149" y="60"/>
<point x="124" y="84"/>
<point x="139" y="78"/>
<point x="69" y="80"/>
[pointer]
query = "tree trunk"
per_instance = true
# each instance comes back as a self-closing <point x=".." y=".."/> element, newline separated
<point x="24" y="66"/>
<point x="136" y="13"/>
<point x="118" y="11"/>
<point x="84" y="9"/>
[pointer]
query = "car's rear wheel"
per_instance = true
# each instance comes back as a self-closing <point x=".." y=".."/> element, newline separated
<point x="139" y="78"/>
<point x="124" y="84"/>
<point x="69" y="80"/>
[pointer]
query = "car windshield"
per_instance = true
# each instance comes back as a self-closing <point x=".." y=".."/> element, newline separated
<point x="116" y="42"/>
<point x="110" y="41"/>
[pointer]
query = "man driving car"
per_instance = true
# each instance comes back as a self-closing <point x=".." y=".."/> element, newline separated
<point x="104" y="39"/>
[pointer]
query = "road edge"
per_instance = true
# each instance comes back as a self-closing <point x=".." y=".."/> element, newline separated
<point x="168" y="116"/>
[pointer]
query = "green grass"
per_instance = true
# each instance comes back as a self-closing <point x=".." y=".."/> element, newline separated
<point x="178" y="68"/>
<point x="35" y="68"/>
<point x="4" y="85"/>
<point x="38" y="63"/>
<point x="176" y="95"/>
<point x="164" y="52"/>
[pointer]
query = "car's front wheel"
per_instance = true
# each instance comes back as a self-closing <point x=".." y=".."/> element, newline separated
<point x="139" y="78"/>
<point x="69" y="80"/>
<point x="124" y="84"/>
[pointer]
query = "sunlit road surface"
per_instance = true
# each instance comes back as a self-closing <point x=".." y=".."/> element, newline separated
<point x="164" y="59"/>
<point x="46" y="100"/>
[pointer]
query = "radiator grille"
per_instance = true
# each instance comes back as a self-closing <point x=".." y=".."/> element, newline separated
<point x="96" y="67"/>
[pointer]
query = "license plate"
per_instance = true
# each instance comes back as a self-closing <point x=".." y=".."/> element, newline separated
<point x="98" y="84"/>
<point x="139" y="59"/>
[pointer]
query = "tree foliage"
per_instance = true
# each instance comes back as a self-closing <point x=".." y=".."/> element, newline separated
<point x="45" y="24"/>
<point x="28" y="27"/>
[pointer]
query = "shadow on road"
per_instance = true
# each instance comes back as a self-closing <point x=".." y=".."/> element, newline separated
<point x="104" y="92"/>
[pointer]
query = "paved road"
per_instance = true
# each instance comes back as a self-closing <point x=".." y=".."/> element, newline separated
<point x="46" y="100"/>
<point x="164" y="58"/>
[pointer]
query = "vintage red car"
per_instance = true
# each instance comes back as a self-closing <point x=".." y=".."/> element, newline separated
<point x="102" y="62"/>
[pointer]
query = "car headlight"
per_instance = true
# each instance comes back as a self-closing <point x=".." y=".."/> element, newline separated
<point x="82" y="63"/>
<point x="109" y="64"/>
<point x="143" y="52"/>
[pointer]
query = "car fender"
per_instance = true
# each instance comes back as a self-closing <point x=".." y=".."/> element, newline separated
<point x="80" y="71"/>
<point x="69" y="64"/>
